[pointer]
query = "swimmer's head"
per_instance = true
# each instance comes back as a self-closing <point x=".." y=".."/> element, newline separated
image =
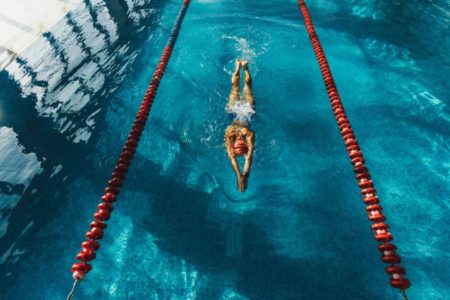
<point x="240" y="148"/>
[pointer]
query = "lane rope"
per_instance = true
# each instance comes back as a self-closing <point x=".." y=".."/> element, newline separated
<point x="365" y="183"/>
<point x="72" y="291"/>
<point x="98" y="225"/>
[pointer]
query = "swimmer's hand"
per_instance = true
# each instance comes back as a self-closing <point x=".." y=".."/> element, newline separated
<point x="242" y="182"/>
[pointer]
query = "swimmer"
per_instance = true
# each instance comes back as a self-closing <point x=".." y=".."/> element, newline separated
<point x="239" y="139"/>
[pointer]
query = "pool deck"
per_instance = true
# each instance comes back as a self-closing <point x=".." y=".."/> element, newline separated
<point x="23" y="21"/>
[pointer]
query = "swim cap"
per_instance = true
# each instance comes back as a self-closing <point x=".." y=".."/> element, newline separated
<point x="240" y="148"/>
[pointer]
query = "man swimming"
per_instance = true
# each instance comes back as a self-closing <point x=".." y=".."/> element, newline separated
<point x="239" y="139"/>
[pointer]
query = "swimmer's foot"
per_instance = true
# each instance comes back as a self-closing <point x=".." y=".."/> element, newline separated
<point x="244" y="64"/>
<point x="238" y="65"/>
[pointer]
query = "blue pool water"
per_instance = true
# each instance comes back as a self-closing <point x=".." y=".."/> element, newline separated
<point x="180" y="230"/>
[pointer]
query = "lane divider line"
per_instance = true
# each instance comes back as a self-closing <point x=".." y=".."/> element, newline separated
<point x="365" y="183"/>
<point x="105" y="208"/>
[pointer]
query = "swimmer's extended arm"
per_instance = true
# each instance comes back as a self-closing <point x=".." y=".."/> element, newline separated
<point x="250" y="138"/>
<point x="234" y="164"/>
<point x="243" y="179"/>
<point x="230" y="152"/>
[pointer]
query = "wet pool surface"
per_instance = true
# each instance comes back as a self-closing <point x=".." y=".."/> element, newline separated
<point x="180" y="229"/>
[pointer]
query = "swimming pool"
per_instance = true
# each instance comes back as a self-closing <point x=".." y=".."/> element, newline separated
<point x="180" y="230"/>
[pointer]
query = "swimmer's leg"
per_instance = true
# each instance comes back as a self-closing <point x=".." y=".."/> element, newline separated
<point x="234" y="94"/>
<point x="248" y="84"/>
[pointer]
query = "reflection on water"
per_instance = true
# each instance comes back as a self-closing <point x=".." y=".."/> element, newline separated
<point x="66" y="69"/>
<point x="52" y="98"/>
<point x="16" y="172"/>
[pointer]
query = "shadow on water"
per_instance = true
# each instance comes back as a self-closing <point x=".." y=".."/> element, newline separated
<point x="183" y="226"/>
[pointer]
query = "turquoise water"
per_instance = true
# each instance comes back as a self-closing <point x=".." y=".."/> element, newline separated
<point x="180" y="229"/>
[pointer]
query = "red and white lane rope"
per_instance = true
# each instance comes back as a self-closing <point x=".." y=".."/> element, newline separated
<point x="368" y="192"/>
<point x="98" y="225"/>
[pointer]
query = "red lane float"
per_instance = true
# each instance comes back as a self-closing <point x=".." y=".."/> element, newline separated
<point x="366" y="185"/>
<point x="105" y="208"/>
